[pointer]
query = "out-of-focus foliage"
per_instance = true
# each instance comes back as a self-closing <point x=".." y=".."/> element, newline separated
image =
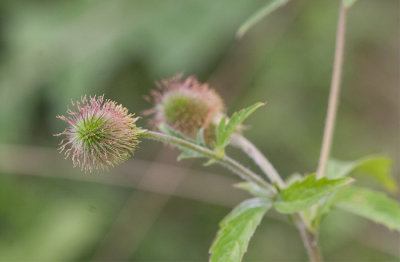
<point x="236" y="229"/>
<point x="263" y="12"/>
<point x="372" y="205"/>
<point x="376" y="167"/>
<point x="52" y="51"/>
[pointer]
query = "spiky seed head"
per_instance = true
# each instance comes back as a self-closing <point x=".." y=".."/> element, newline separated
<point x="186" y="105"/>
<point x="100" y="133"/>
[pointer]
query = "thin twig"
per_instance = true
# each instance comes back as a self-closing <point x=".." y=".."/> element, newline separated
<point x="334" y="91"/>
<point x="310" y="239"/>
<point x="226" y="161"/>
<point x="259" y="158"/>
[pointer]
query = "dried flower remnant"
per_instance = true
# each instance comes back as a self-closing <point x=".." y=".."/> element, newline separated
<point x="186" y="106"/>
<point x="100" y="133"/>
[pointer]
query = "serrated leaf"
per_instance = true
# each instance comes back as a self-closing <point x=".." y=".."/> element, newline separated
<point x="377" y="167"/>
<point x="372" y="205"/>
<point x="254" y="189"/>
<point x="236" y="229"/>
<point x="226" y="128"/>
<point x="259" y="15"/>
<point x="349" y="3"/>
<point x="302" y="194"/>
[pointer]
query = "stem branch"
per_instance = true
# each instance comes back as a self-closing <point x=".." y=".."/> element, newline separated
<point x="252" y="151"/>
<point x="334" y="91"/>
<point x="309" y="239"/>
<point x="226" y="161"/>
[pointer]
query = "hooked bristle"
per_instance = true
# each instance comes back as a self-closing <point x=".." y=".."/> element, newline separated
<point x="100" y="133"/>
<point x="186" y="105"/>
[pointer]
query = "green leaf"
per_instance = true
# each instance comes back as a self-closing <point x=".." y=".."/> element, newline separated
<point x="324" y="207"/>
<point x="377" y="167"/>
<point x="236" y="229"/>
<point x="349" y="3"/>
<point x="254" y="189"/>
<point x="372" y="205"/>
<point x="210" y="162"/>
<point x="169" y="131"/>
<point x="302" y="194"/>
<point x="200" y="138"/>
<point x="186" y="153"/>
<point x="259" y="15"/>
<point x="226" y="128"/>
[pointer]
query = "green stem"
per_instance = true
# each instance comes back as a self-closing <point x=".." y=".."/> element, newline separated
<point x="309" y="239"/>
<point x="225" y="161"/>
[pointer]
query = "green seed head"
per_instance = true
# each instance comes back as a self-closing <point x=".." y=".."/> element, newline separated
<point x="99" y="134"/>
<point x="186" y="106"/>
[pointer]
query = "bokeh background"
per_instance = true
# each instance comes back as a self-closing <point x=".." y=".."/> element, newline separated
<point x="152" y="208"/>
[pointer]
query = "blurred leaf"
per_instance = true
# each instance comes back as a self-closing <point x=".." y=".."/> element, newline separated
<point x="186" y="153"/>
<point x="236" y="229"/>
<point x="337" y="168"/>
<point x="293" y="178"/>
<point x="226" y="128"/>
<point x="349" y="3"/>
<point x="200" y="138"/>
<point x="170" y="131"/>
<point x="254" y="189"/>
<point x="259" y="15"/>
<point x="324" y="207"/>
<point x="377" y="167"/>
<point x="372" y="205"/>
<point x="304" y="193"/>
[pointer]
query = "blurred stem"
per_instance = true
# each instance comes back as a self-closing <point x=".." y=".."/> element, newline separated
<point x="226" y="161"/>
<point x="334" y="91"/>
<point x="310" y="239"/>
<point x="252" y="151"/>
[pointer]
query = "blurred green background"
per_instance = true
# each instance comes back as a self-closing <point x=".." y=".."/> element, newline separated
<point x="152" y="208"/>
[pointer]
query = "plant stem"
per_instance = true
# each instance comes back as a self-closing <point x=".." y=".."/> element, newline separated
<point x="334" y="91"/>
<point x="241" y="142"/>
<point x="309" y="238"/>
<point x="226" y="161"/>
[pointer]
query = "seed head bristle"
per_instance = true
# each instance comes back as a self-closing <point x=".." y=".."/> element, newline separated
<point x="186" y="105"/>
<point x="100" y="133"/>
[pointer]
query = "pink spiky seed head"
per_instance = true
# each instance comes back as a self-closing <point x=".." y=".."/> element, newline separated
<point x="100" y="133"/>
<point x="186" y="105"/>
